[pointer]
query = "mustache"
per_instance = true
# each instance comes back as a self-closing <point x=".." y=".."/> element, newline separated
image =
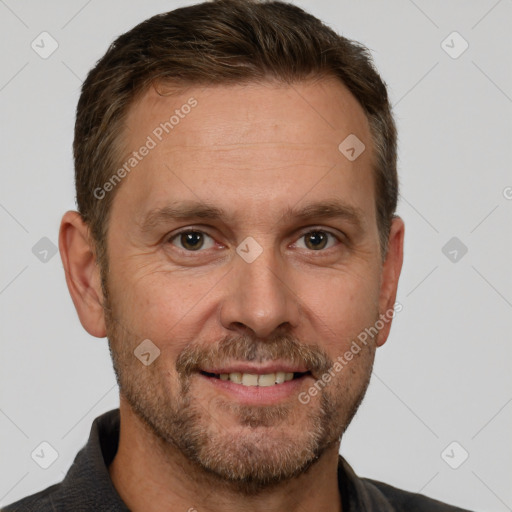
<point x="245" y="348"/>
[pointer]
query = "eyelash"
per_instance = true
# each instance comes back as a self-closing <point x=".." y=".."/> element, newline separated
<point x="310" y="231"/>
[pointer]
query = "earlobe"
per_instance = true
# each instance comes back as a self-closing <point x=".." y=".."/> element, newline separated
<point x="82" y="273"/>
<point x="390" y="274"/>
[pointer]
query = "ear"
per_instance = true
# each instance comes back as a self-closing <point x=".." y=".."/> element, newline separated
<point x="391" y="269"/>
<point x="82" y="273"/>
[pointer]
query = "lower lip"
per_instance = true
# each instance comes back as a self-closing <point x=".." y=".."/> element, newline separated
<point x="258" y="395"/>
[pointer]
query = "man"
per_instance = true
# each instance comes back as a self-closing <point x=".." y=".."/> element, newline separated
<point x="237" y="243"/>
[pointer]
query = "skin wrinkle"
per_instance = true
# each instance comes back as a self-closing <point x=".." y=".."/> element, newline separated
<point x="238" y="349"/>
<point x="270" y="102"/>
<point x="181" y="212"/>
<point x="214" y="307"/>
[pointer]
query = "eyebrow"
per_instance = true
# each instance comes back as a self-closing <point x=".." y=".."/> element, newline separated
<point x="185" y="210"/>
<point x="190" y="210"/>
<point x="333" y="209"/>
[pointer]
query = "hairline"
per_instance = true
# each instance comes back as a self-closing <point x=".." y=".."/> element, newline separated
<point x="179" y="87"/>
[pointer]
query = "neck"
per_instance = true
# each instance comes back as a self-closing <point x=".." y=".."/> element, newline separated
<point x="151" y="476"/>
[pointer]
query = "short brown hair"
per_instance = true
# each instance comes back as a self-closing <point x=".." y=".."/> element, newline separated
<point x="221" y="42"/>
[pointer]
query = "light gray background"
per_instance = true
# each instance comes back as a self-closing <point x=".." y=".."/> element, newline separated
<point x="445" y="373"/>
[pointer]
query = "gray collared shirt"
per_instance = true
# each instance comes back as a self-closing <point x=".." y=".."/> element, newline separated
<point x="87" y="486"/>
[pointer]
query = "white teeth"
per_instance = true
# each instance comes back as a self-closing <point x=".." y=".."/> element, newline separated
<point x="280" y="377"/>
<point x="268" y="379"/>
<point x="251" y="379"/>
<point x="235" y="377"/>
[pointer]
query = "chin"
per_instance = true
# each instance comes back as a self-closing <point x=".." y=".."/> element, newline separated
<point x="251" y="449"/>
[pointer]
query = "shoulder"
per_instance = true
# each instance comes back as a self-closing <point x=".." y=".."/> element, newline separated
<point x="38" y="502"/>
<point x="404" y="501"/>
<point x="371" y="495"/>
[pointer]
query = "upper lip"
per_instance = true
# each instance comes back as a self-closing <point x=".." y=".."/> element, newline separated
<point x="257" y="369"/>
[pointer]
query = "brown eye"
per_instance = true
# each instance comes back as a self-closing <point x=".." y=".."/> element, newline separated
<point x="192" y="240"/>
<point x="317" y="240"/>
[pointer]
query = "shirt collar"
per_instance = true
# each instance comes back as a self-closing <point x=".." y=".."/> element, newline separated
<point x="88" y="475"/>
<point x="90" y="478"/>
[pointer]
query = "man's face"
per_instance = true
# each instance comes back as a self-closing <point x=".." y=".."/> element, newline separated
<point x="258" y="278"/>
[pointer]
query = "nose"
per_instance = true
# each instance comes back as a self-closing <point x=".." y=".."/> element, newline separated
<point x="259" y="296"/>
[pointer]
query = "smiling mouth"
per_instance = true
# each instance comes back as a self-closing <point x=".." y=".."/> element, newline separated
<point x="257" y="380"/>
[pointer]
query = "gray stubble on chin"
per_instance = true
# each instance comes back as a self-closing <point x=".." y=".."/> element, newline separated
<point x="246" y="457"/>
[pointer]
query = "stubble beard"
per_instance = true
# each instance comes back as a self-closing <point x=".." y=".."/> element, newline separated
<point x="244" y="448"/>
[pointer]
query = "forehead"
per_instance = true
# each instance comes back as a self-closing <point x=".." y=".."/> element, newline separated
<point x="256" y="141"/>
<point x="250" y="112"/>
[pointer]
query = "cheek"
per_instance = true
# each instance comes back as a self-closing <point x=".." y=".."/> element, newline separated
<point x="340" y="306"/>
<point x="164" y="305"/>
